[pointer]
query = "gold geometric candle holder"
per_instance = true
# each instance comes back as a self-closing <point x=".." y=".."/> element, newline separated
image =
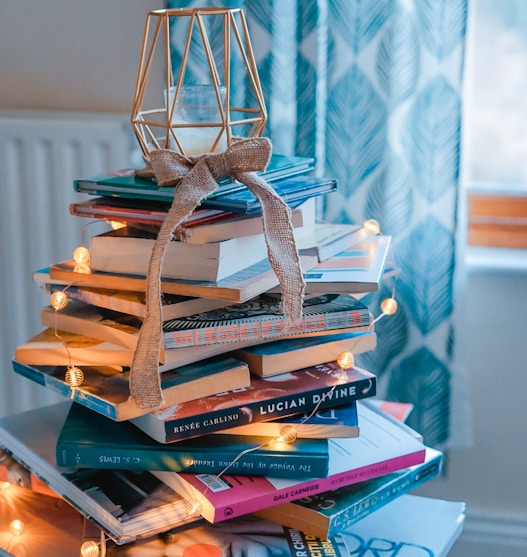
<point x="193" y="118"/>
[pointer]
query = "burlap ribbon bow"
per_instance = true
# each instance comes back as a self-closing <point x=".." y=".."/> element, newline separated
<point x="194" y="179"/>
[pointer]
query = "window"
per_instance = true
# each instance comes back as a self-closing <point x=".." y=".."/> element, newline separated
<point x="495" y="124"/>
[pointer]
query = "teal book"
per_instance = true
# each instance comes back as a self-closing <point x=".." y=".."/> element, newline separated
<point x="90" y="440"/>
<point x="325" y="515"/>
<point x="294" y="191"/>
<point x="132" y="186"/>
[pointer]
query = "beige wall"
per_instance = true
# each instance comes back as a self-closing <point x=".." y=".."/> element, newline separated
<point x="79" y="55"/>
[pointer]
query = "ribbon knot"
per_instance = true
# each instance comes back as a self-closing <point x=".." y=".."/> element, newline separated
<point x="194" y="179"/>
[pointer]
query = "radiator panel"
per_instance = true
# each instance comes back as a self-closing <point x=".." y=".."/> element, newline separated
<point x="41" y="153"/>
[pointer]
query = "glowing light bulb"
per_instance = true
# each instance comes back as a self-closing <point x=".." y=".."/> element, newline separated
<point x="58" y="300"/>
<point x="74" y="376"/>
<point x="83" y="268"/>
<point x="288" y="434"/>
<point x="345" y="360"/>
<point x="193" y="508"/>
<point x="389" y="306"/>
<point x="117" y="225"/>
<point x="16" y="527"/>
<point x="372" y="226"/>
<point x="90" y="549"/>
<point x="81" y="255"/>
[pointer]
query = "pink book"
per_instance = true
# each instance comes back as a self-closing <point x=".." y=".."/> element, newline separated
<point x="384" y="445"/>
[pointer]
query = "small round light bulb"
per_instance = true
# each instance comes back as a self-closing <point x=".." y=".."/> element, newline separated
<point x="16" y="527"/>
<point x="90" y="549"/>
<point x="345" y="360"/>
<point x="58" y="300"/>
<point x="389" y="306"/>
<point x="372" y="226"/>
<point x="81" y="255"/>
<point x="74" y="376"/>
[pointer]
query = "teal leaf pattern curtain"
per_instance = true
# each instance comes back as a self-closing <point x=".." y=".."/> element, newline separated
<point x="372" y="90"/>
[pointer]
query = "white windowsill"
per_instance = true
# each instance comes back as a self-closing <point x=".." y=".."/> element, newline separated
<point x="480" y="259"/>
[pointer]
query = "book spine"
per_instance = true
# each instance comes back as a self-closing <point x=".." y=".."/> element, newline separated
<point x="365" y="506"/>
<point x="262" y="329"/>
<point x="223" y="503"/>
<point x="242" y="463"/>
<point x="327" y="397"/>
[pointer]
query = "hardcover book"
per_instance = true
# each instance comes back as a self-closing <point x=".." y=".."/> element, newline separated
<point x="106" y="389"/>
<point x="326" y="514"/>
<point x="240" y="287"/>
<point x="410" y="526"/>
<point x="283" y="355"/>
<point x="305" y="390"/>
<point x="339" y="421"/>
<point x="294" y="191"/>
<point x="202" y="226"/>
<point x="90" y="440"/>
<point x="261" y="318"/>
<point x="126" y="504"/>
<point x="383" y="446"/>
<point x="127" y="184"/>
<point x="127" y="251"/>
<point x="133" y="303"/>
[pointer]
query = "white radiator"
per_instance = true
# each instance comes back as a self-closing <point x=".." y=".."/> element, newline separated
<point x="40" y="155"/>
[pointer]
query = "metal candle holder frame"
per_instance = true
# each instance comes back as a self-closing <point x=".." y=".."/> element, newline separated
<point x="154" y="128"/>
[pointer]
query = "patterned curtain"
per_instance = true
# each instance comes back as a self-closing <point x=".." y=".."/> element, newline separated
<point x="372" y="89"/>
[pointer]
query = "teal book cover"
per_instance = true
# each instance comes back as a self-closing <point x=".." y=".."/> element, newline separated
<point x="90" y="440"/>
<point x="129" y="185"/>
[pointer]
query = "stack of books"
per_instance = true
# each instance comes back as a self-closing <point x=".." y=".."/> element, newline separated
<point x="264" y="426"/>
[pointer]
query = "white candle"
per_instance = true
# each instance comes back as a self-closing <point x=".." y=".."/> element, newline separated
<point x="198" y="104"/>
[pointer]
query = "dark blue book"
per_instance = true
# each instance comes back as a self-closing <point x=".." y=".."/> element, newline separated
<point x="90" y="440"/>
<point x="294" y="191"/>
<point x="135" y="187"/>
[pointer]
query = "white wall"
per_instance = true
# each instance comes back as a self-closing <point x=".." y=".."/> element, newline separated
<point x="78" y="55"/>
<point x="83" y="56"/>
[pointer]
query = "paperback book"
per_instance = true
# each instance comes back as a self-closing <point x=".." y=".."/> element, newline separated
<point x="106" y="390"/>
<point x="105" y="324"/>
<point x="266" y="398"/>
<point x="127" y="251"/>
<point x="127" y="184"/>
<point x="125" y="504"/>
<point x="383" y="446"/>
<point x="261" y="318"/>
<point x="134" y="303"/>
<point x="283" y="355"/>
<point x="328" y="239"/>
<point x="339" y="421"/>
<point x="294" y="191"/>
<point x="356" y="270"/>
<point x="48" y="348"/>
<point x="90" y="440"/>
<point x="239" y="287"/>
<point x="325" y="515"/>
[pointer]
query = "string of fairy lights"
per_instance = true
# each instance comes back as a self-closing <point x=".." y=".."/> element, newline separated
<point x="74" y="377"/>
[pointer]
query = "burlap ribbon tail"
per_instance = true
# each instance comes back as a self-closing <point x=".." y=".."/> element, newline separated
<point x="194" y="179"/>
